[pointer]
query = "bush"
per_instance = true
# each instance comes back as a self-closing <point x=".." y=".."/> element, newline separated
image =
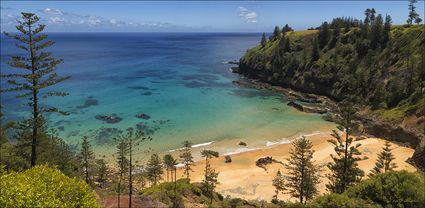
<point x="43" y="186"/>
<point x="392" y="189"/>
<point x="339" y="200"/>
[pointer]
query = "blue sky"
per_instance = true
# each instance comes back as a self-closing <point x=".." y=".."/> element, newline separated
<point x="192" y="16"/>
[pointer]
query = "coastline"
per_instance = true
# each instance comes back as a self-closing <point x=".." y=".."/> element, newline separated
<point x="237" y="178"/>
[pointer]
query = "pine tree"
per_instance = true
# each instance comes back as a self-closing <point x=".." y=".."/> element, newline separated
<point x="418" y="20"/>
<point x="276" y="33"/>
<point x="367" y="16"/>
<point x="87" y="158"/>
<point x="279" y="185"/>
<point x="187" y="158"/>
<point x="372" y="16"/>
<point x="413" y="15"/>
<point x="315" y="53"/>
<point x="123" y="163"/>
<point x="210" y="180"/>
<point x="263" y="40"/>
<point x="377" y="32"/>
<point x="287" y="47"/>
<point x="154" y="169"/>
<point x="344" y="168"/>
<point x="303" y="175"/>
<point x="133" y="139"/>
<point x="169" y="163"/>
<point x="323" y="36"/>
<point x="38" y="73"/>
<point x="387" y="30"/>
<point x="286" y="29"/>
<point x="334" y="38"/>
<point x="384" y="162"/>
<point x="102" y="171"/>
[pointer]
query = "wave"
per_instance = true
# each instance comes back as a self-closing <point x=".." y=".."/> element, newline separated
<point x="240" y="150"/>
<point x="268" y="143"/>
<point x="202" y="144"/>
<point x="193" y="146"/>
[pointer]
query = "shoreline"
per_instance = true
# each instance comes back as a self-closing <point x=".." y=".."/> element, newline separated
<point x="237" y="178"/>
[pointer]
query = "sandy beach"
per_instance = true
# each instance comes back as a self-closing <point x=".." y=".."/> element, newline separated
<point x="242" y="178"/>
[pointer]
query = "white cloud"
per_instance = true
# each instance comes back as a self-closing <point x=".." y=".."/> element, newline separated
<point x="56" y="20"/>
<point x="247" y="15"/>
<point x="68" y="20"/>
<point x="117" y="23"/>
<point x="92" y="20"/>
<point x="52" y="11"/>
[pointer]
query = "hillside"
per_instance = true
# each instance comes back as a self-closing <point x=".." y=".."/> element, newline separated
<point x="379" y="66"/>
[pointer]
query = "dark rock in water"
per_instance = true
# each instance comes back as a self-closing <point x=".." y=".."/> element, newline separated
<point x="148" y="130"/>
<point x="162" y="122"/>
<point x="89" y="102"/>
<point x="308" y="109"/>
<point x="143" y="116"/>
<point x="232" y="62"/>
<point x="242" y="143"/>
<point x="138" y="88"/>
<point x="234" y="69"/>
<point x="106" y="135"/>
<point x="146" y="93"/>
<point x="108" y="119"/>
<point x="73" y="133"/>
<point x="227" y="159"/>
<point x="245" y="93"/>
<point x="61" y="128"/>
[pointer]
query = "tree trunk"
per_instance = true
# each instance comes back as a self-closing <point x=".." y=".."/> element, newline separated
<point x="35" y="100"/>
<point x="119" y="190"/>
<point x="130" y="178"/>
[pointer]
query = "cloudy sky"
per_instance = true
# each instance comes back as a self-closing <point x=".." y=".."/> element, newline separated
<point x="192" y="16"/>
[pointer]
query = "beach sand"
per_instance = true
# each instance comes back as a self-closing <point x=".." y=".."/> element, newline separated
<point x="242" y="178"/>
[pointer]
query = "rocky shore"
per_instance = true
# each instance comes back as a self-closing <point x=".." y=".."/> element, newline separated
<point x="370" y="126"/>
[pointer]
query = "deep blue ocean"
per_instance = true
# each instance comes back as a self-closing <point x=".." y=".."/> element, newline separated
<point x="180" y="80"/>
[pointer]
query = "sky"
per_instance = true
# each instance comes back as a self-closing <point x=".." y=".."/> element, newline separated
<point x="193" y="16"/>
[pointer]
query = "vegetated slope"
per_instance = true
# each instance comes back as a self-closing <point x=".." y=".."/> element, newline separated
<point x="380" y="65"/>
<point x="386" y="76"/>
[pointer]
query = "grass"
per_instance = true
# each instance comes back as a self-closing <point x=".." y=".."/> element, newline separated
<point x="398" y="113"/>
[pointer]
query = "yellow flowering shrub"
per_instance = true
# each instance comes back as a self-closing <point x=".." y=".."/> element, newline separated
<point x="43" y="186"/>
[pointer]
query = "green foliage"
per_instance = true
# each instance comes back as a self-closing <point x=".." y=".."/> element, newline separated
<point x="384" y="162"/>
<point x="154" y="169"/>
<point x="376" y="62"/>
<point x="169" y="164"/>
<point x="187" y="158"/>
<point x="87" y="159"/>
<point x="344" y="167"/>
<point x="413" y="15"/>
<point x="279" y="184"/>
<point x="340" y="200"/>
<point x="52" y="151"/>
<point x="210" y="180"/>
<point x="42" y="186"/>
<point x="263" y="40"/>
<point x="37" y="72"/>
<point x="392" y="189"/>
<point x="167" y="192"/>
<point x="303" y="176"/>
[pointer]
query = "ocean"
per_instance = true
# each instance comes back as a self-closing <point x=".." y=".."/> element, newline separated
<point x="181" y="81"/>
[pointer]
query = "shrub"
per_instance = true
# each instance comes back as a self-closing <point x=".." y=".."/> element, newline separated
<point x="339" y="200"/>
<point x="392" y="189"/>
<point x="43" y="186"/>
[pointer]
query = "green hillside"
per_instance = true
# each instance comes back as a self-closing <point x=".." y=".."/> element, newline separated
<point x="380" y="65"/>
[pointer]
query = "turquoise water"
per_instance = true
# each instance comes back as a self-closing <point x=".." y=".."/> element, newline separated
<point x="179" y="79"/>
